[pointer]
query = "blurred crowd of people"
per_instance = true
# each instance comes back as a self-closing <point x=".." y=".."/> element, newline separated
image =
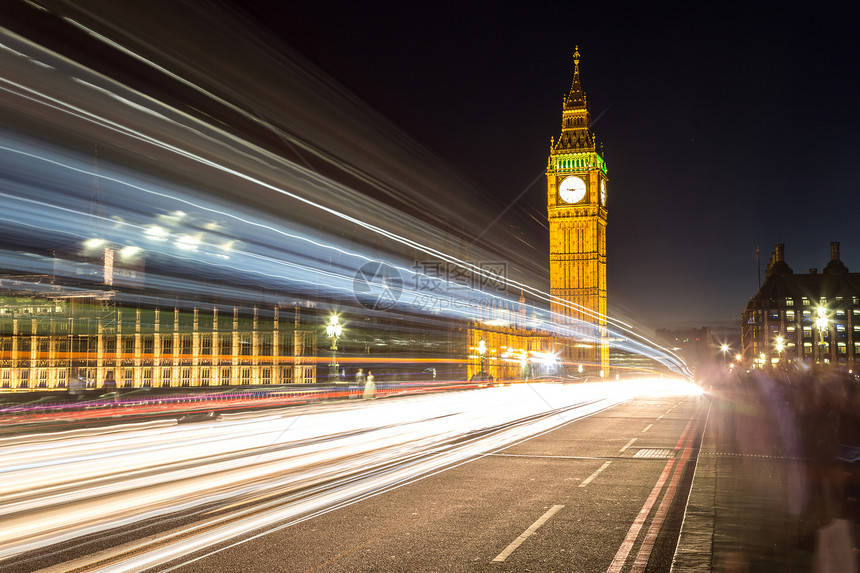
<point x="809" y="416"/>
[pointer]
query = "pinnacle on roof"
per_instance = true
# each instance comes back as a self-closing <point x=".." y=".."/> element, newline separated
<point x="576" y="97"/>
<point x="576" y="134"/>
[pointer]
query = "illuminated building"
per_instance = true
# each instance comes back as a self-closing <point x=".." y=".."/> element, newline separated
<point x="59" y="338"/>
<point x="576" y="204"/>
<point x="503" y="345"/>
<point x="812" y="317"/>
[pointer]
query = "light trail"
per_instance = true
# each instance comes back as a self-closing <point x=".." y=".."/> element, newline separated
<point x="254" y="471"/>
<point x="196" y="190"/>
<point x="292" y="266"/>
<point x="191" y="178"/>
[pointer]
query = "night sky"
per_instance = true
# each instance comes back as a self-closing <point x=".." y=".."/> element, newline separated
<point x="724" y="127"/>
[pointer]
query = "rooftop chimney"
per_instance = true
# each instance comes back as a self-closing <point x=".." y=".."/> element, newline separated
<point x="835" y="266"/>
<point x="777" y="264"/>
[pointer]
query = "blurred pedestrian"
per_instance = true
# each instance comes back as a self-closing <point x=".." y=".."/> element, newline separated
<point x="359" y="377"/>
<point x="369" y="387"/>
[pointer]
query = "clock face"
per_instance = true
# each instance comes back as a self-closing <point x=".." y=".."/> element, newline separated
<point x="572" y="189"/>
<point x="603" y="192"/>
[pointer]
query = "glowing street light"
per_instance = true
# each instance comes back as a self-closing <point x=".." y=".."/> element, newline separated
<point x="333" y="329"/>
<point x="821" y="322"/>
<point x="156" y="233"/>
<point x="482" y="350"/>
<point x="129" y="252"/>
<point x="187" y="243"/>
<point x="91" y="244"/>
<point x="724" y="348"/>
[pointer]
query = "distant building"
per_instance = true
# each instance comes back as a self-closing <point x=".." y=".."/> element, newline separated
<point x="812" y="317"/>
<point x="503" y="343"/>
<point x="54" y="337"/>
<point x="695" y="345"/>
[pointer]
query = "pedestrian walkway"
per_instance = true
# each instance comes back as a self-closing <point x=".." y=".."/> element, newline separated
<point x="759" y="501"/>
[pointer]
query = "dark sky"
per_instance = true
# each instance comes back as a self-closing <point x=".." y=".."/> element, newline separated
<point x="725" y="127"/>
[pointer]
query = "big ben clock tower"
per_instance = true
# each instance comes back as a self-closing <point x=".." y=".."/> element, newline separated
<point x="576" y="206"/>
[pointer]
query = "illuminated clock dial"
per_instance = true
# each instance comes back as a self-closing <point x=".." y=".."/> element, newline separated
<point x="603" y="192"/>
<point x="572" y="189"/>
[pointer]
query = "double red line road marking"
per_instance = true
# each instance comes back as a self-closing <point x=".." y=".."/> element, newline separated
<point x="647" y="546"/>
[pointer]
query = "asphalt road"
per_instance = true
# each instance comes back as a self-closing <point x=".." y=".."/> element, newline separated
<point x="588" y="496"/>
<point x="525" y="478"/>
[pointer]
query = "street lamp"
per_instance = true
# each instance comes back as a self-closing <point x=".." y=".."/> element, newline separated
<point x="724" y="349"/>
<point x="779" y="346"/>
<point x="333" y="329"/>
<point x="524" y="365"/>
<point x="482" y="350"/>
<point x="821" y="323"/>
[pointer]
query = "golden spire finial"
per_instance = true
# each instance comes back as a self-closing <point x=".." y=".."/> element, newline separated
<point x="576" y="56"/>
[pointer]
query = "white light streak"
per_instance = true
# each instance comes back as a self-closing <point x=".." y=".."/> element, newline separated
<point x="62" y="486"/>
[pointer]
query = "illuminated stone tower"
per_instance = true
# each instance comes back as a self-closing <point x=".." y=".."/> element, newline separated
<point x="576" y="205"/>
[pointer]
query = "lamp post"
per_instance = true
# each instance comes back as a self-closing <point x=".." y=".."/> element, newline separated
<point x="482" y="350"/>
<point x="524" y="364"/>
<point x="724" y="348"/>
<point x="333" y="329"/>
<point x="779" y="347"/>
<point x="821" y="323"/>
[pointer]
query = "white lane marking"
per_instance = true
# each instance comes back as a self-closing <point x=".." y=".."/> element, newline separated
<point x="627" y="445"/>
<point x="648" y="427"/>
<point x="587" y="480"/>
<point x="660" y="417"/>
<point x="527" y="533"/>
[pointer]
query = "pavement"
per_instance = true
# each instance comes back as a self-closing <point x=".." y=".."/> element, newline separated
<point x="766" y="495"/>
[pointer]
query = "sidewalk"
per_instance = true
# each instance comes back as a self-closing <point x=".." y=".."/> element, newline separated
<point x="757" y="502"/>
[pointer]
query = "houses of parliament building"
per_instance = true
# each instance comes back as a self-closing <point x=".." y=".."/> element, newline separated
<point x="60" y="336"/>
<point x="55" y="337"/>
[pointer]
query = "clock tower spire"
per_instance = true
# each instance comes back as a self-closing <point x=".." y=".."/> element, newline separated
<point x="576" y="206"/>
<point x="576" y="97"/>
